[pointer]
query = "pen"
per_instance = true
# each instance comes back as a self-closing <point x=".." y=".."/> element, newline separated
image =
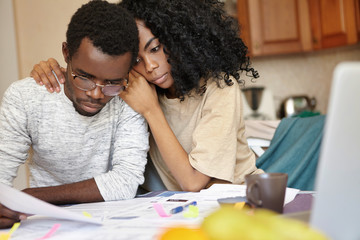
<point x="182" y="208"/>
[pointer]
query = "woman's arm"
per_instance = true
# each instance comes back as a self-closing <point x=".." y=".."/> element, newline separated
<point x="142" y="97"/>
<point x="43" y="75"/>
<point x="175" y="157"/>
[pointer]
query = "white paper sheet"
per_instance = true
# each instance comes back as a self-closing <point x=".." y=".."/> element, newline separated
<point x="24" y="203"/>
<point x="128" y="219"/>
<point x="217" y="191"/>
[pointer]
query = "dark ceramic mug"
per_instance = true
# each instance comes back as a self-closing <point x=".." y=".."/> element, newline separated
<point x="266" y="190"/>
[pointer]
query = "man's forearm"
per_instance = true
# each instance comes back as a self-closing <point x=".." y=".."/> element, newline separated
<point x="80" y="192"/>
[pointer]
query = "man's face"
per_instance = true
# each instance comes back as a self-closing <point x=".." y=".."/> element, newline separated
<point x="89" y="62"/>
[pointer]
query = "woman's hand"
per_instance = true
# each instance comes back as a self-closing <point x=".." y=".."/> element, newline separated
<point x="140" y="95"/>
<point x="43" y="75"/>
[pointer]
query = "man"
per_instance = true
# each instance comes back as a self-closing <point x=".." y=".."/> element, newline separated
<point x="88" y="145"/>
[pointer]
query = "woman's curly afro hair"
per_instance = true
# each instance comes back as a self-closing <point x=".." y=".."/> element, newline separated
<point x="201" y="40"/>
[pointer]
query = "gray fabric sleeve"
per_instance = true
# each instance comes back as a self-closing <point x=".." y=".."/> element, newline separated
<point x="131" y="144"/>
<point x="14" y="140"/>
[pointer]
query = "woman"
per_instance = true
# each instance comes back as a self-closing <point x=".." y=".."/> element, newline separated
<point x="186" y="85"/>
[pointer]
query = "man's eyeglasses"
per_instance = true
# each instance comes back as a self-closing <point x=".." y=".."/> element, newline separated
<point x="111" y="89"/>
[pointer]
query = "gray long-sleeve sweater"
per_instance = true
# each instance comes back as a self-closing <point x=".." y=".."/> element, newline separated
<point x="110" y="147"/>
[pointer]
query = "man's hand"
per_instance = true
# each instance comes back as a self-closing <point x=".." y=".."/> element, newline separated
<point x="9" y="217"/>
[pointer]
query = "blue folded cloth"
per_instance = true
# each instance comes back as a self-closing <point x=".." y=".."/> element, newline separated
<point x="294" y="150"/>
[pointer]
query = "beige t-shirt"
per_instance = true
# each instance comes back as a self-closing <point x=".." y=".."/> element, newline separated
<point x="211" y="130"/>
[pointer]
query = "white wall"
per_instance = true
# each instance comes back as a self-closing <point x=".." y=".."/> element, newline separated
<point x="8" y="56"/>
<point x="303" y="74"/>
<point x="9" y="65"/>
<point x="40" y="28"/>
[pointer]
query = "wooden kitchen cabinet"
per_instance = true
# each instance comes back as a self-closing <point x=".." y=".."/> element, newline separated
<point x="333" y="23"/>
<point x="275" y="26"/>
<point x="271" y="27"/>
<point x="357" y="15"/>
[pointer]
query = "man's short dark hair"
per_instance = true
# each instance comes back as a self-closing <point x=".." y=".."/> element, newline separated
<point x="110" y="28"/>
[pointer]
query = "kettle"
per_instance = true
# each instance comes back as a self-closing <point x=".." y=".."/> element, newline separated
<point x="295" y="105"/>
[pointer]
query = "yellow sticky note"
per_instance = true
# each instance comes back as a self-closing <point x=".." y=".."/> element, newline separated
<point x="86" y="214"/>
<point x="239" y="205"/>
<point x="6" y="236"/>
<point x="14" y="227"/>
<point x="193" y="212"/>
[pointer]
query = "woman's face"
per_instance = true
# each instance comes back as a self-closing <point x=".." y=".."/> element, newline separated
<point x="152" y="61"/>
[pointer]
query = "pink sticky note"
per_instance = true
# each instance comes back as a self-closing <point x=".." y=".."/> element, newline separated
<point x="51" y="232"/>
<point x="160" y="210"/>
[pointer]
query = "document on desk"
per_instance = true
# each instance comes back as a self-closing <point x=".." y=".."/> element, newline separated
<point x="24" y="203"/>
<point x="129" y="219"/>
<point x="217" y="191"/>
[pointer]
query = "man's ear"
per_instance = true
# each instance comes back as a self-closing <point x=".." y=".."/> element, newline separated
<point x="65" y="52"/>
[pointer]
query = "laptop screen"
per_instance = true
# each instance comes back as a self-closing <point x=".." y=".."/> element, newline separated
<point x="336" y="207"/>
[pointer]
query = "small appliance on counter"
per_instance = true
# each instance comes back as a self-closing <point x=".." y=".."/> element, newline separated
<point x="258" y="104"/>
<point x="295" y="105"/>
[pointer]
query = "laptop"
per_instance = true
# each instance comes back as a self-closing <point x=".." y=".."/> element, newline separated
<point x="336" y="206"/>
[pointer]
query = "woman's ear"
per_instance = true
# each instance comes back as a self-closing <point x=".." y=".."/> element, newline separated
<point x="65" y="52"/>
